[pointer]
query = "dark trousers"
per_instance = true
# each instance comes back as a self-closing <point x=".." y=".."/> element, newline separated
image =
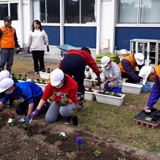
<point x="74" y="65"/>
<point x="23" y="106"/>
<point x="38" y="56"/>
<point x="130" y="80"/>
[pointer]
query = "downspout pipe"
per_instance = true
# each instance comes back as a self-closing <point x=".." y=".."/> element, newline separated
<point x="21" y="23"/>
<point x="61" y="23"/>
<point x="98" y="26"/>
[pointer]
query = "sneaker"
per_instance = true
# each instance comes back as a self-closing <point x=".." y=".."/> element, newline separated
<point x="68" y="120"/>
<point x="9" y="105"/>
<point x="81" y="109"/>
<point x="35" y="73"/>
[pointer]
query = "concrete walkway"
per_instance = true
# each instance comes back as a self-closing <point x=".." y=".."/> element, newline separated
<point x="48" y="58"/>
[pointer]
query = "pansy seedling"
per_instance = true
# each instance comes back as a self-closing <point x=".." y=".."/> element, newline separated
<point x="10" y="122"/>
<point x="79" y="142"/>
<point x="63" y="135"/>
<point x="97" y="153"/>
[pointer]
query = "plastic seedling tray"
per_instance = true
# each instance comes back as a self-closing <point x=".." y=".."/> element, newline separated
<point x="147" y="119"/>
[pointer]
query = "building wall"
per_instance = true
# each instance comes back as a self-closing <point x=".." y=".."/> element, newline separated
<point x="80" y="36"/>
<point x="123" y="35"/>
<point x="108" y="24"/>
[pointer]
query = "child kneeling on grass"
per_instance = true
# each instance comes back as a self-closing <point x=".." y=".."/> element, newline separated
<point x="64" y="90"/>
<point x="28" y="93"/>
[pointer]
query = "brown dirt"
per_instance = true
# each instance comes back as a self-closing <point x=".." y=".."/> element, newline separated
<point x="45" y="144"/>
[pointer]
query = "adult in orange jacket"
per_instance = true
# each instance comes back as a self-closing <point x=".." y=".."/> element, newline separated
<point x="128" y="66"/>
<point x="62" y="87"/>
<point x="74" y="64"/>
<point x="8" y="41"/>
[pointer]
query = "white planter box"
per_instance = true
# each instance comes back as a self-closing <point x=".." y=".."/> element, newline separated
<point x="44" y="75"/>
<point x="24" y="81"/>
<point x="131" y="88"/>
<point x="88" y="82"/>
<point x="107" y="99"/>
<point x="43" y="86"/>
<point x="89" y="95"/>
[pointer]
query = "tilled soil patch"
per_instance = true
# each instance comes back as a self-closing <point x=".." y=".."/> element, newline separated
<point x="45" y="144"/>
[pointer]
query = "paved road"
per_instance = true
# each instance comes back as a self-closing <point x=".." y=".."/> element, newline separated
<point x="55" y="59"/>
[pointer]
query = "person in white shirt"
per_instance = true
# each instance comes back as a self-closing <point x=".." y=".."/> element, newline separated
<point x="36" y="41"/>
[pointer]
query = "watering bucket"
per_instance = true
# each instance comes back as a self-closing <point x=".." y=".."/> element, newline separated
<point x="146" y="87"/>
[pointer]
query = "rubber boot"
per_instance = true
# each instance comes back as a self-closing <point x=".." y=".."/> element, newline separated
<point x="9" y="69"/>
<point x="80" y="97"/>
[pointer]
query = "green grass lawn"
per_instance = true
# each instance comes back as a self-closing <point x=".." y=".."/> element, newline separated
<point x="107" y="121"/>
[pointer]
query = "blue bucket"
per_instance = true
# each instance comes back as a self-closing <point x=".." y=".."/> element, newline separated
<point x="146" y="87"/>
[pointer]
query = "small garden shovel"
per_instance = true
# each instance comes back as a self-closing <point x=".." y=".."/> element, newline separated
<point x="29" y="127"/>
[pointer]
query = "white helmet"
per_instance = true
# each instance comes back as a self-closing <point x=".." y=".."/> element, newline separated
<point x="56" y="77"/>
<point x="4" y="74"/>
<point x="123" y="51"/>
<point x="144" y="73"/>
<point x="5" y="84"/>
<point x="104" y="61"/>
<point x="139" y="57"/>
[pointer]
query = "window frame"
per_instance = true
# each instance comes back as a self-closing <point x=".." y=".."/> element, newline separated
<point x="87" y="24"/>
<point x="9" y="8"/>
<point x="138" y="23"/>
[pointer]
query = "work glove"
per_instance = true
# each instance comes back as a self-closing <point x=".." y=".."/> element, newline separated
<point x="64" y="101"/>
<point x="99" y="81"/>
<point x="47" y="48"/>
<point x="17" y="50"/>
<point x="27" y="118"/>
<point x="106" y="84"/>
<point x="28" y="49"/>
<point x="35" y="113"/>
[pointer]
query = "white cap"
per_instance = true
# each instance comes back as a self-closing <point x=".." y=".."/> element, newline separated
<point x="144" y="73"/>
<point x="139" y="57"/>
<point x="123" y="51"/>
<point x="4" y="74"/>
<point x="5" y="84"/>
<point x="104" y="61"/>
<point x="56" y="77"/>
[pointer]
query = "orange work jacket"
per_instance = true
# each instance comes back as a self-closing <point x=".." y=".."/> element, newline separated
<point x="130" y="59"/>
<point x="7" y="38"/>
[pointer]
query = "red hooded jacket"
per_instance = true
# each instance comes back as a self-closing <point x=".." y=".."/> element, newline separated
<point x="69" y="90"/>
<point x="87" y="58"/>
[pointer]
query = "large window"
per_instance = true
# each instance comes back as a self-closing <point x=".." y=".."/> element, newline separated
<point x="14" y="11"/>
<point x="49" y="11"/>
<point x="3" y="11"/>
<point x="80" y="11"/>
<point x="138" y="11"/>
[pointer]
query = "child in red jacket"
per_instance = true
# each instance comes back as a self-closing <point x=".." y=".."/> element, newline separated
<point x="64" y="91"/>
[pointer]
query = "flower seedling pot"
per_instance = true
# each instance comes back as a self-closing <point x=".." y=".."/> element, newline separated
<point x="89" y="95"/>
<point x="131" y="88"/>
<point x="44" y="75"/>
<point x="108" y="99"/>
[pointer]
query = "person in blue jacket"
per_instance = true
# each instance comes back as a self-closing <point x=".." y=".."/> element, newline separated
<point x="28" y="93"/>
<point x="152" y="74"/>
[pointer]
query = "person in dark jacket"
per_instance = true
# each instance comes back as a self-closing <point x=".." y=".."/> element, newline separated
<point x="128" y="66"/>
<point x="74" y="64"/>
